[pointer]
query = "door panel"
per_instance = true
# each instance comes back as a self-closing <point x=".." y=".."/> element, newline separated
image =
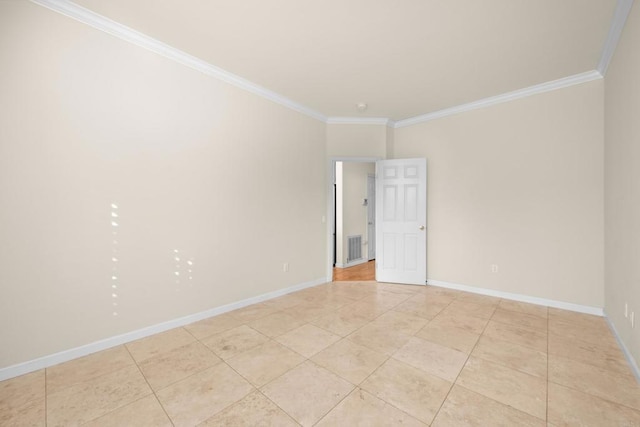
<point x="401" y="216"/>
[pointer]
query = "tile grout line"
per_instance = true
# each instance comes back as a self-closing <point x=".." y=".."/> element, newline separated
<point x="255" y="388"/>
<point x="390" y="356"/>
<point x="453" y="383"/>
<point x="272" y="339"/>
<point x="150" y="388"/>
<point x="278" y="406"/>
<point x="46" y="399"/>
<point x="547" y="400"/>
<point x="357" y="386"/>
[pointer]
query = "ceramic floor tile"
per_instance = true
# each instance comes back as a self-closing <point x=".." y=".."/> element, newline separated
<point x="252" y="312"/>
<point x="449" y="336"/>
<point x="592" y="332"/>
<point x="234" y="341"/>
<point x="334" y="302"/>
<point x="385" y="300"/>
<point x="401" y="323"/>
<point x="284" y="302"/>
<point x="253" y="410"/>
<point x="436" y="292"/>
<point x="434" y="297"/>
<point x="432" y="358"/>
<point x="19" y="391"/>
<point x="31" y="413"/>
<point x="604" y="357"/>
<point x="363" y="409"/>
<point x="276" y="324"/>
<point x="522" y="391"/>
<point x="568" y="407"/>
<point x="213" y="325"/>
<point x="465" y="408"/>
<point x="483" y="311"/>
<point x="588" y="320"/>
<point x="461" y="321"/>
<point x="308" y="340"/>
<point x="612" y="386"/>
<point x="356" y="290"/>
<point x="379" y="338"/>
<point x="409" y="389"/>
<point x="523" y="307"/>
<point x="368" y="310"/>
<point x="512" y="355"/>
<point x="144" y="412"/>
<point x="424" y="309"/>
<point x="520" y="319"/>
<point x="200" y="396"/>
<point x="517" y="335"/>
<point x="159" y="343"/>
<point x="265" y="362"/>
<point x="401" y="289"/>
<point x="93" y="398"/>
<point x="403" y="346"/>
<point x="307" y="392"/>
<point x="310" y="293"/>
<point x="477" y="298"/>
<point x="341" y="323"/>
<point x="351" y="361"/>
<point x="87" y="367"/>
<point x="308" y="311"/>
<point x="177" y="364"/>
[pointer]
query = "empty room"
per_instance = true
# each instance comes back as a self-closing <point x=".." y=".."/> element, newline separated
<point x="189" y="190"/>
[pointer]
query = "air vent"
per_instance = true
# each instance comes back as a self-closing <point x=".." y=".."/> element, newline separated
<point x="355" y="248"/>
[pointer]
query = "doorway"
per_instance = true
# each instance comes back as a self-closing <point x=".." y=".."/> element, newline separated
<point x="351" y="243"/>
<point x="400" y="220"/>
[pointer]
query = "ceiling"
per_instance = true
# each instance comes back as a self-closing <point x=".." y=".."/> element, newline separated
<point x="403" y="58"/>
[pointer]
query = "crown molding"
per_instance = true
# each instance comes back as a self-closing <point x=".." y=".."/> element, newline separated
<point x="623" y="7"/>
<point x="130" y="35"/>
<point x="88" y="17"/>
<point x="360" y="121"/>
<point x="505" y="97"/>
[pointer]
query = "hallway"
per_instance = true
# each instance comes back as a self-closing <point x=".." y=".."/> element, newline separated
<point x="357" y="273"/>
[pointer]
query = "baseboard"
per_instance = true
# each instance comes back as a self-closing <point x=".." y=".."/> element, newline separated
<point x="351" y="263"/>
<point x="74" y="353"/>
<point x="598" y="311"/>
<point x="627" y="354"/>
<point x="354" y="263"/>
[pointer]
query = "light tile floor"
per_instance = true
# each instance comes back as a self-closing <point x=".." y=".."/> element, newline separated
<point x="347" y="354"/>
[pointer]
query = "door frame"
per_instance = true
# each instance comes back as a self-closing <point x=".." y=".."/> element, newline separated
<point x="371" y="217"/>
<point x="331" y="179"/>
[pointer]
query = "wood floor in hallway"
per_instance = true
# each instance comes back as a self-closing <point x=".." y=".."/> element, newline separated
<point x="357" y="273"/>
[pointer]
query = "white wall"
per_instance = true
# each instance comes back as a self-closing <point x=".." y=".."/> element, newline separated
<point x="234" y="182"/>
<point x="518" y="185"/>
<point x="622" y="183"/>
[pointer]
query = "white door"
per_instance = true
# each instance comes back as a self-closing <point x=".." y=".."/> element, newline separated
<point x="401" y="217"/>
<point x="371" y="217"/>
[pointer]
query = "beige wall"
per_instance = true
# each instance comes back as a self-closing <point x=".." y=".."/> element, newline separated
<point x="518" y="185"/>
<point x="233" y="182"/>
<point x="622" y="183"/>
<point x="347" y="140"/>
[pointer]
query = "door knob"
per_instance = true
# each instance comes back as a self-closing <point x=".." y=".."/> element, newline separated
<point x="421" y="227"/>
